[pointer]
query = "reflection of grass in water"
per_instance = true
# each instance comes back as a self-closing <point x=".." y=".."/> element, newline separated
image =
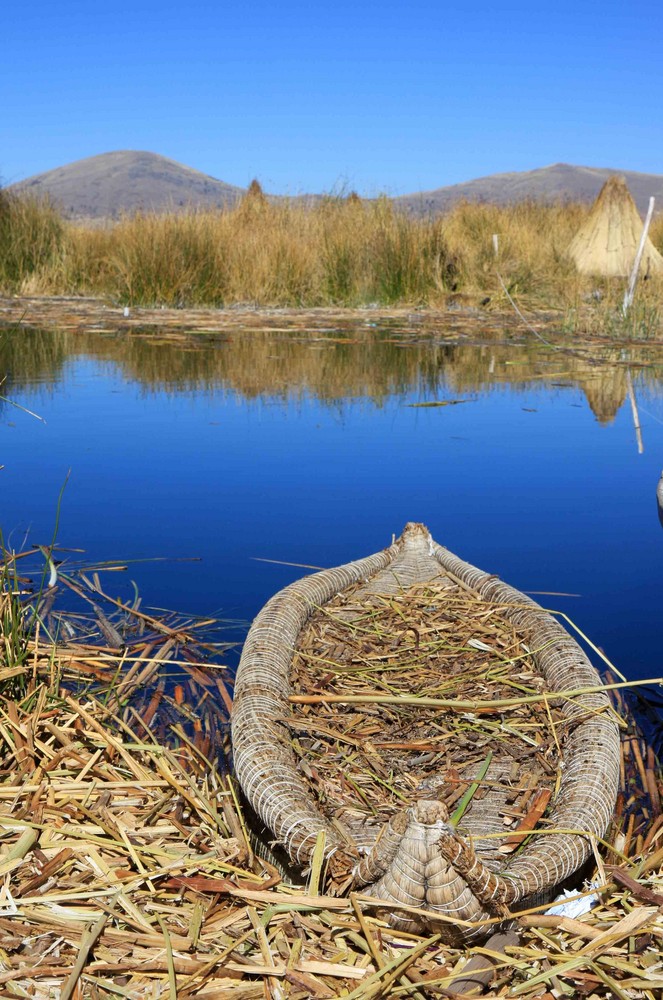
<point x="369" y="365"/>
<point x="30" y="357"/>
<point x="264" y="364"/>
<point x="270" y="365"/>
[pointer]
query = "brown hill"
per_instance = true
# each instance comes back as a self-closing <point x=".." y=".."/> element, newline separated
<point x="111" y="184"/>
<point x="561" y="181"/>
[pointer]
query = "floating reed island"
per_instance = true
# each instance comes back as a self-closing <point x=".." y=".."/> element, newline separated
<point x="128" y="866"/>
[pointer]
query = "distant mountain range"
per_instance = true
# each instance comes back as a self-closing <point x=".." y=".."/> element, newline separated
<point x="559" y="182"/>
<point x="111" y="184"/>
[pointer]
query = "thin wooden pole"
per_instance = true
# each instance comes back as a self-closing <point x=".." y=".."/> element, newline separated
<point x="634" y="411"/>
<point x="628" y="298"/>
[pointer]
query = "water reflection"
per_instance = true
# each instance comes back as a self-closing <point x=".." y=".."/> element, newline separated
<point x="367" y="364"/>
<point x="659" y="499"/>
<point x="306" y="447"/>
<point x="30" y="358"/>
<point x="605" y="387"/>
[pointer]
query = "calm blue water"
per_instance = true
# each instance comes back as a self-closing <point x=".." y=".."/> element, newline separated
<point x="223" y="461"/>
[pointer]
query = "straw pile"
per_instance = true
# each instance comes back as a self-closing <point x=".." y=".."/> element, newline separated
<point x="608" y="241"/>
<point x="365" y="761"/>
<point x="128" y="870"/>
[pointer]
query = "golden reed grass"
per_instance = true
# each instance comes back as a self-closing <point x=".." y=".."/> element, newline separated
<point x="336" y="251"/>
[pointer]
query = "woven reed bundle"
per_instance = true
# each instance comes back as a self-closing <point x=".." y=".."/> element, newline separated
<point x="416" y="857"/>
<point x="608" y="241"/>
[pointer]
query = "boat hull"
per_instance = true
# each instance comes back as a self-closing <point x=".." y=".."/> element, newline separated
<point x="425" y="871"/>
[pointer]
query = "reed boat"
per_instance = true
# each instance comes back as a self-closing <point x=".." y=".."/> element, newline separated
<point x="432" y="732"/>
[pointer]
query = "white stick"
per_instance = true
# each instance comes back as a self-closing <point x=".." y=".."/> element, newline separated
<point x="496" y="244"/>
<point x="628" y="298"/>
<point x="634" y="411"/>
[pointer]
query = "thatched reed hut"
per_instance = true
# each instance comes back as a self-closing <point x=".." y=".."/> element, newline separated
<point x="608" y="241"/>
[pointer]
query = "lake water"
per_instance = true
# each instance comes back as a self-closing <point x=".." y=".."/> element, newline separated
<point x="315" y="449"/>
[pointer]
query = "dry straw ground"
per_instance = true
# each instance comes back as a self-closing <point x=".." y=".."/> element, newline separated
<point x="129" y="871"/>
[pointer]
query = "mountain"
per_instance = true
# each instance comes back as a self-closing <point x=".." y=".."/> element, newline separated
<point x="561" y="181"/>
<point x="106" y="186"/>
<point x="111" y="184"/>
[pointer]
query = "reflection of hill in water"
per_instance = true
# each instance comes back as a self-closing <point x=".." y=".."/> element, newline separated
<point x="366" y="364"/>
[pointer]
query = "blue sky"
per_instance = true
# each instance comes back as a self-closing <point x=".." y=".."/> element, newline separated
<point x="375" y="96"/>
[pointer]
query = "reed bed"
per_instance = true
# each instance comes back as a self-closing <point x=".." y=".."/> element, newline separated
<point x="334" y="252"/>
<point x="32" y="239"/>
<point x="129" y="869"/>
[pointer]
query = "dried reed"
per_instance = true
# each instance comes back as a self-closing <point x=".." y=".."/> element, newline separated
<point x="404" y="710"/>
<point x="128" y="869"/>
<point x="337" y="251"/>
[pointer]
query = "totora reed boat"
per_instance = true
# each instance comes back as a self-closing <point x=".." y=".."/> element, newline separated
<point x="432" y="732"/>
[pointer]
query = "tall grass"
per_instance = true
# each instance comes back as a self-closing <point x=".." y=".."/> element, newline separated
<point x="31" y="238"/>
<point x="286" y="254"/>
<point x="13" y="633"/>
<point x="533" y="239"/>
<point x="337" y="251"/>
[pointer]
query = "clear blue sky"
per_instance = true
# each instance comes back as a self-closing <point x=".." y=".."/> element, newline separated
<point x="376" y="96"/>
